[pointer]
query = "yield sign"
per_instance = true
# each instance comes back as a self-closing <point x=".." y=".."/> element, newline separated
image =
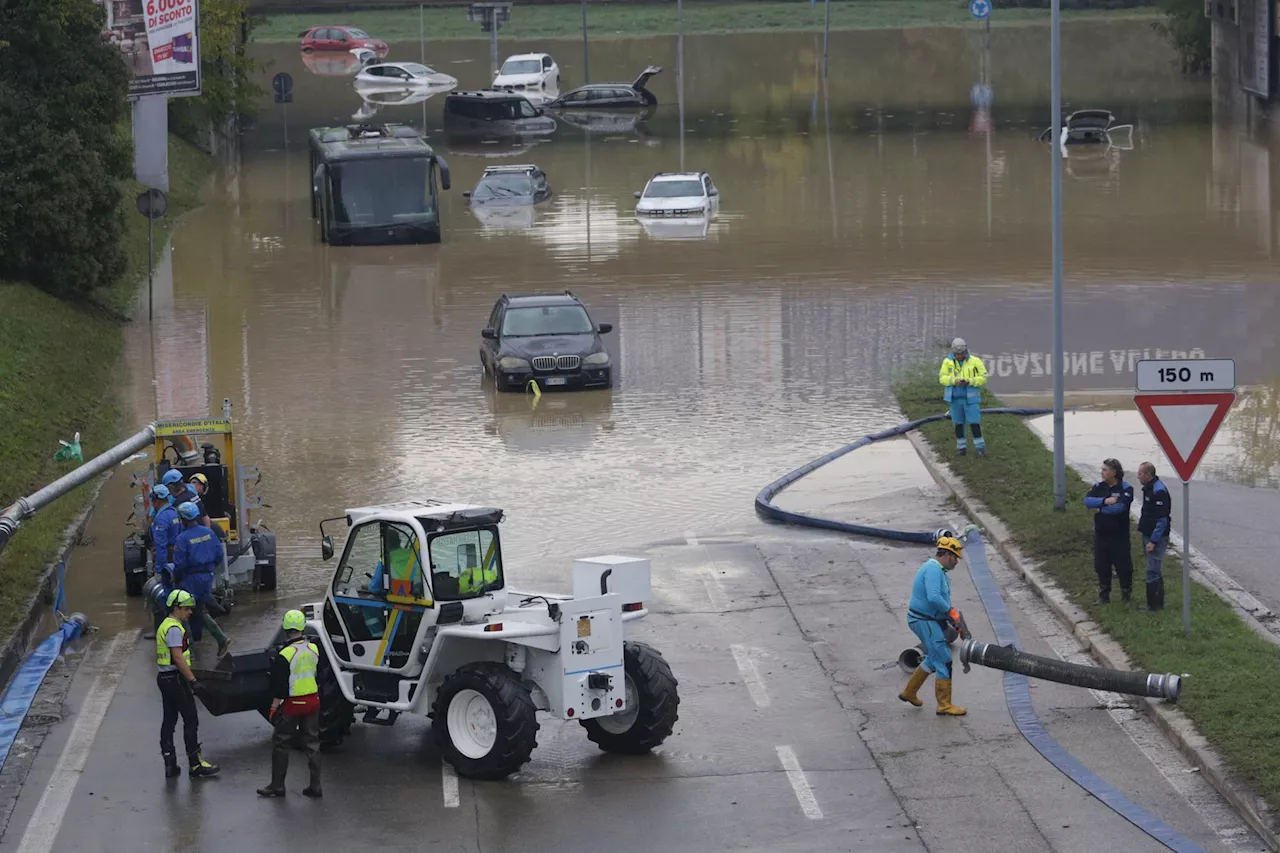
<point x="1184" y="424"/>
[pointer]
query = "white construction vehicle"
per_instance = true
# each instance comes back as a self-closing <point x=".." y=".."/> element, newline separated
<point x="418" y="619"/>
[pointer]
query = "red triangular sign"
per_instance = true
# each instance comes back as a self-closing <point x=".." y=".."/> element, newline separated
<point x="1185" y="425"/>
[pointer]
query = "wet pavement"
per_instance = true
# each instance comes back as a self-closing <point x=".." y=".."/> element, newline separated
<point x="865" y="219"/>
<point x="790" y="734"/>
<point x="1229" y="520"/>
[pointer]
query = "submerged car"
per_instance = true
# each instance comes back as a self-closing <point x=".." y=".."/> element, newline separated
<point x="403" y="75"/>
<point x="507" y="185"/>
<point x="494" y="114"/>
<point x="548" y="338"/>
<point x="1091" y="128"/>
<point x="528" y="71"/>
<point x="340" y="38"/>
<point x="678" y="194"/>
<point x="610" y="95"/>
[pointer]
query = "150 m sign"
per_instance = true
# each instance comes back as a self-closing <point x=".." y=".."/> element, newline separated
<point x="1189" y="374"/>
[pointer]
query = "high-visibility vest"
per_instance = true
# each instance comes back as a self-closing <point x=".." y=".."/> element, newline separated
<point x="474" y="578"/>
<point x="401" y="575"/>
<point x="302" y="668"/>
<point x="163" y="655"/>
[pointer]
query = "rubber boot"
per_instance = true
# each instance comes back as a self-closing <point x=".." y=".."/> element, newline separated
<point x="314" y="790"/>
<point x="1155" y="595"/>
<point x="279" y="766"/>
<point x="942" y="690"/>
<point x="200" y="767"/>
<point x="911" y="693"/>
<point x="171" y="768"/>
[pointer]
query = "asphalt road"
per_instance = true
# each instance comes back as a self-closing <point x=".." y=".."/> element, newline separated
<point x="790" y="737"/>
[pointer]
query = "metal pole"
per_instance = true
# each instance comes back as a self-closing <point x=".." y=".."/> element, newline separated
<point x="586" y="59"/>
<point x="1059" y="423"/>
<point x="493" y="43"/>
<point x="422" y="35"/>
<point x="680" y="71"/>
<point x="1186" y="558"/>
<point x="150" y="254"/>
<point x="831" y="162"/>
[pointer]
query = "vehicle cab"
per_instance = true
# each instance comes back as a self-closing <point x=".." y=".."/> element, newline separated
<point x="528" y="71"/>
<point x="517" y="184"/>
<point x="678" y="194"/>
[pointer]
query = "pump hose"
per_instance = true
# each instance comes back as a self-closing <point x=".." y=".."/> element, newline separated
<point x="1011" y="659"/>
<point x="1016" y="689"/>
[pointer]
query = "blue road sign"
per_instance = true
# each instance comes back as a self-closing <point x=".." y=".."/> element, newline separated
<point x="980" y="9"/>
<point x="282" y="83"/>
<point x="980" y="95"/>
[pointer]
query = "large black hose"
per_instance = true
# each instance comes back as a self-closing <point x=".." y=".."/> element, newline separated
<point x="1010" y="659"/>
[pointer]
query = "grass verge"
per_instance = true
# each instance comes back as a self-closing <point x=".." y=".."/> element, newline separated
<point x="59" y="374"/>
<point x="1227" y="661"/>
<point x="627" y="20"/>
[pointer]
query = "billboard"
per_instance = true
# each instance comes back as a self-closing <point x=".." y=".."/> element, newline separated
<point x="159" y="42"/>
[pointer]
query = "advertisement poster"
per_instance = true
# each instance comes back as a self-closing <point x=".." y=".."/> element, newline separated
<point x="159" y="42"/>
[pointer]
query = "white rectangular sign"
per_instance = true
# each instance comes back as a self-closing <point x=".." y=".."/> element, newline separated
<point x="1187" y="374"/>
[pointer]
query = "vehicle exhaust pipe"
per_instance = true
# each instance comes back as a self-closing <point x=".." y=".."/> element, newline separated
<point x="1010" y="659"/>
<point x="25" y="507"/>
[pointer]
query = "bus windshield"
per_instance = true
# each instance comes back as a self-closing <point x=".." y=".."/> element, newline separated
<point x="384" y="191"/>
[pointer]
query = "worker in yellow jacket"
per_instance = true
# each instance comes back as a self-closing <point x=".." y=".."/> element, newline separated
<point x="962" y="376"/>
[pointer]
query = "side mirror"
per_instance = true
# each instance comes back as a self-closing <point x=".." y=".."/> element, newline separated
<point x="445" y="182"/>
<point x="489" y="334"/>
<point x="605" y="328"/>
<point x="714" y="192"/>
<point x="466" y="193"/>
<point x="636" y="193"/>
<point x="326" y="547"/>
<point x="538" y="110"/>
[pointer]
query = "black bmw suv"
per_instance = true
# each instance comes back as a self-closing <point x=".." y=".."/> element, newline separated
<point x="548" y="337"/>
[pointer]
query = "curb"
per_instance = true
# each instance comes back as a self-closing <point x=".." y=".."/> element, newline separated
<point x="1181" y="732"/>
<point x="17" y="644"/>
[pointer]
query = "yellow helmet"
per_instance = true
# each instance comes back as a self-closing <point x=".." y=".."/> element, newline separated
<point x="951" y="545"/>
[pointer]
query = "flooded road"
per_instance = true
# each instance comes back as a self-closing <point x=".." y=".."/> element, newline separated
<point x="863" y="221"/>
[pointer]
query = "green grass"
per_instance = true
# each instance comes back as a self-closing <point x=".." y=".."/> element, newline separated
<point x="626" y="20"/>
<point x="59" y="374"/>
<point x="1229" y="665"/>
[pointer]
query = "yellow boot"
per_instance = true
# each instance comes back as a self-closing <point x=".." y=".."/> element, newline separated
<point x="911" y="692"/>
<point x="942" y="689"/>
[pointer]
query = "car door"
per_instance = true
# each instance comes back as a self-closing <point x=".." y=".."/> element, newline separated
<point x="340" y="39"/>
<point x="541" y="189"/>
<point x="380" y="597"/>
<point x="548" y="76"/>
<point x="489" y="348"/>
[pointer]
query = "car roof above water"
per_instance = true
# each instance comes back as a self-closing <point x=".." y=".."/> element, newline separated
<point x="537" y="299"/>
<point x="678" y="176"/>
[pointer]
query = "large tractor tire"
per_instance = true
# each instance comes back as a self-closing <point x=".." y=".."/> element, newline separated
<point x="337" y="715"/>
<point x="652" y="702"/>
<point x="485" y="721"/>
<point x="135" y="556"/>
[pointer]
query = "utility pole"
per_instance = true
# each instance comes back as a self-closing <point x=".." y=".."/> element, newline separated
<point x="586" y="59"/>
<point x="1059" y="421"/>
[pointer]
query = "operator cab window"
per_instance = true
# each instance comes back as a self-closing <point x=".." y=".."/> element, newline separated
<point x="464" y="564"/>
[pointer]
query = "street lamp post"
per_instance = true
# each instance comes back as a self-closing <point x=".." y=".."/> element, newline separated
<point x="586" y="59"/>
<point x="1059" y="439"/>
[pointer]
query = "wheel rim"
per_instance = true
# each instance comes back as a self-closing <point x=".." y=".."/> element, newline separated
<point x="473" y="727"/>
<point x="621" y="722"/>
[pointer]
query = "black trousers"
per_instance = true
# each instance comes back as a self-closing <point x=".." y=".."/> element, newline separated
<point x="1113" y="552"/>
<point x="282" y="740"/>
<point x="178" y="699"/>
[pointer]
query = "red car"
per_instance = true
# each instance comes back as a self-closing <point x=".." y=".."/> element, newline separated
<point x="340" y="38"/>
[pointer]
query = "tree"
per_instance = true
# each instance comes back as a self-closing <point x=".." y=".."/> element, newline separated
<point x="226" y="82"/>
<point x="63" y="119"/>
<point x="1187" y="28"/>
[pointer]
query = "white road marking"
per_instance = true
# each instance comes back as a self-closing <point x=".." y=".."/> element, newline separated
<point x="691" y="539"/>
<point x="711" y="580"/>
<point x="808" y="802"/>
<point x="450" y="778"/>
<point x="750" y="676"/>
<point x="42" y="831"/>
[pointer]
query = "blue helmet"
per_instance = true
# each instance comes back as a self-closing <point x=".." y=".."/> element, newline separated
<point x="159" y="492"/>
<point x="188" y="510"/>
<point x="173" y="475"/>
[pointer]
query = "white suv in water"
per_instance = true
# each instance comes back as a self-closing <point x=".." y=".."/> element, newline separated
<point x="678" y="194"/>
<point x="528" y="71"/>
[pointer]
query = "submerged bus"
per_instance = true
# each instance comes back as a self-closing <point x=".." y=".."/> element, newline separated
<point x="375" y="185"/>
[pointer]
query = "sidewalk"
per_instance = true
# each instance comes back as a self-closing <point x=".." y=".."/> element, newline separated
<point x="1229" y="523"/>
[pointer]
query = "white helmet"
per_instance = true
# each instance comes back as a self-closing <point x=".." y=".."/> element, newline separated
<point x="959" y="346"/>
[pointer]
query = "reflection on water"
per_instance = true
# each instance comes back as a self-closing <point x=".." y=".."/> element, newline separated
<point x="862" y="222"/>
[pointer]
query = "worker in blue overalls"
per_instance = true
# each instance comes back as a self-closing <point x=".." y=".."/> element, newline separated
<point x="196" y="555"/>
<point x="928" y="615"/>
<point x="962" y="376"/>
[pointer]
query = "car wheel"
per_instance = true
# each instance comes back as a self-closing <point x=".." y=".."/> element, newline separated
<point x="308" y="49"/>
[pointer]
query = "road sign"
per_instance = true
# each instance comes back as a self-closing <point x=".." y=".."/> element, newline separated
<point x="282" y="85"/>
<point x="1185" y="425"/>
<point x="980" y="9"/>
<point x="980" y="95"/>
<point x="1187" y="374"/>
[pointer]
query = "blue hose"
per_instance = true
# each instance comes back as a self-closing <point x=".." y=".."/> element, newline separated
<point x="1016" y="690"/>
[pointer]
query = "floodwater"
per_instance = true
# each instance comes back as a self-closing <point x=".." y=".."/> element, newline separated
<point x="865" y="218"/>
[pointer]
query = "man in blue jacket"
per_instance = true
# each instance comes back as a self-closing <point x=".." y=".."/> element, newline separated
<point x="928" y="614"/>
<point x="165" y="528"/>
<point x="1157" y="505"/>
<point x="1110" y="500"/>
<point x="196" y="554"/>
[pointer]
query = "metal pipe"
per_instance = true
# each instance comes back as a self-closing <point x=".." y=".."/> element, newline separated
<point x="1059" y="421"/>
<point x="25" y="507"/>
<point x="1186" y="559"/>
<point x="1010" y="659"/>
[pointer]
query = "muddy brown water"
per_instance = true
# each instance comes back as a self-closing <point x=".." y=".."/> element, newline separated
<point x="864" y="219"/>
